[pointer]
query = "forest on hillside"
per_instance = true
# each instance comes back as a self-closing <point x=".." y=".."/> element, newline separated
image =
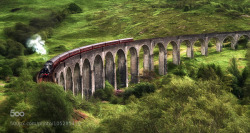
<point x="204" y="94"/>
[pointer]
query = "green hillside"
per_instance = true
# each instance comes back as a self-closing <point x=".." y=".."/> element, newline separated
<point x="113" y="19"/>
<point x="203" y="94"/>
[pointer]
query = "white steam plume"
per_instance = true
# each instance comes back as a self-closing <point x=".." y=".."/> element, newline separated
<point x="37" y="44"/>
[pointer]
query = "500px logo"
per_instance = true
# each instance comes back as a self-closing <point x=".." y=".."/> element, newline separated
<point x="16" y="114"/>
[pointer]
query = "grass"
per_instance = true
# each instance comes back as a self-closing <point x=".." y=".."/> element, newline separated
<point x="110" y="110"/>
<point x="2" y="96"/>
<point x="2" y="89"/>
<point x="218" y="58"/>
<point x="2" y="83"/>
<point x="108" y="20"/>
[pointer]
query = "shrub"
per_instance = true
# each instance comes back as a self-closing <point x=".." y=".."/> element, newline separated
<point x="220" y="10"/>
<point x="233" y="13"/>
<point x="210" y="72"/>
<point x="60" y="48"/>
<point x="210" y="44"/>
<point x="51" y="104"/>
<point x="57" y="17"/>
<point x="239" y="78"/>
<point x="186" y="8"/>
<point x="74" y="8"/>
<point x="5" y="72"/>
<point x="14" y="49"/>
<point x="139" y="89"/>
<point x="180" y="71"/>
<point x="3" y="49"/>
<point x="46" y="33"/>
<point x="79" y="103"/>
<point x="54" y="19"/>
<point x="128" y="92"/>
<point x="33" y="64"/>
<point x="105" y="94"/>
<point x="39" y="23"/>
<point x="192" y="72"/>
<point x="171" y="66"/>
<point x="166" y="79"/>
<point x="116" y="100"/>
<point x="20" y="32"/>
<point x="17" y="65"/>
<point x="100" y="94"/>
<point x="243" y="42"/>
<point x="29" y="51"/>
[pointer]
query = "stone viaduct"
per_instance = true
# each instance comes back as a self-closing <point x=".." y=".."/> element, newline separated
<point x="85" y="73"/>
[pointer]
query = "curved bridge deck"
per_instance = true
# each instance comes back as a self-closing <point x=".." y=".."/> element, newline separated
<point x="86" y="72"/>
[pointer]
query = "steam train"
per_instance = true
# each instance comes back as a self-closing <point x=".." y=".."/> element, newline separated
<point x="46" y="72"/>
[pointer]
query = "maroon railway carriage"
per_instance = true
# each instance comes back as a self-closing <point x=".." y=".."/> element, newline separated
<point x="46" y="73"/>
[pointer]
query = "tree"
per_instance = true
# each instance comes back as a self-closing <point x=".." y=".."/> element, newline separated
<point x="51" y="104"/>
<point x="74" y="8"/>
<point x="2" y="47"/>
<point x="5" y="72"/>
<point x="105" y="94"/>
<point x="246" y="74"/>
<point x="14" y="49"/>
<point x="238" y="78"/>
<point x="22" y="86"/>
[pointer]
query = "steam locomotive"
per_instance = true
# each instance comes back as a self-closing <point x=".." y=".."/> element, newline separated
<point x="46" y="73"/>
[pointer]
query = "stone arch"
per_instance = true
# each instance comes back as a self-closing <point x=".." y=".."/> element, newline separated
<point x="69" y="82"/>
<point x="217" y="42"/>
<point x="199" y="45"/>
<point x="110" y="68"/>
<point x="98" y="72"/>
<point x="161" y="58"/>
<point x="244" y="35"/>
<point x="134" y="62"/>
<point x="86" y="79"/>
<point x="228" y="39"/>
<point x="242" y="41"/>
<point x="62" y="80"/>
<point x="175" y="52"/>
<point x="121" y="72"/>
<point x="146" y="58"/>
<point x="229" y="36"/>
<point x="77" y="80"/>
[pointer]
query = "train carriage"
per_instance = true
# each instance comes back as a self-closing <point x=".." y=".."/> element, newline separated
<point x="86" y="48"/>
<point x="99" y="45"/>
<point x="45" y="73"/>
<point x="110" y="43"/>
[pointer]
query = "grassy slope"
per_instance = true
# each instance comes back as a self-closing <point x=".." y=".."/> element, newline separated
<point x="2" y="95"/>
<point x="107" y="20"/>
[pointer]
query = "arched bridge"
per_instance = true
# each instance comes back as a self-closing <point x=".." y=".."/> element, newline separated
<point x="86" y="72"/>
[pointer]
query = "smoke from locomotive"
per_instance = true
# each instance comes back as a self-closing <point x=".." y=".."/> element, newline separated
<point x="37" y="44"/>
